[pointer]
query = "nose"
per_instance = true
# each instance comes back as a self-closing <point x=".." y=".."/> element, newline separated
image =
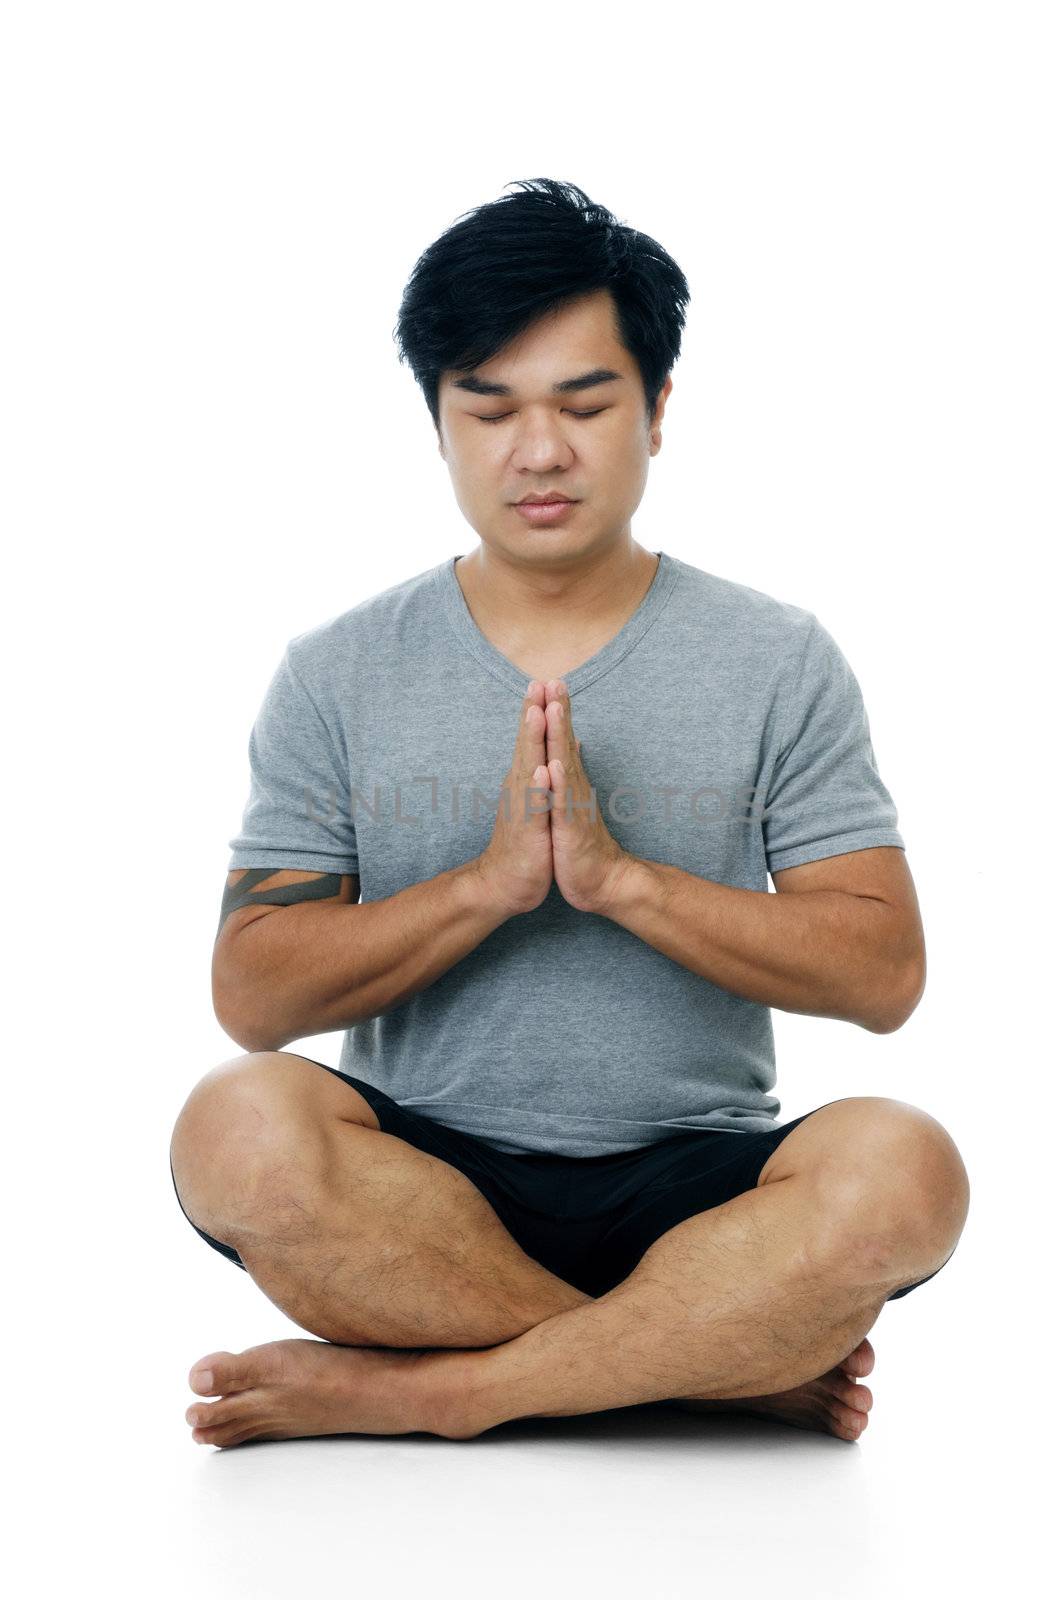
<point x="541" y="446"/>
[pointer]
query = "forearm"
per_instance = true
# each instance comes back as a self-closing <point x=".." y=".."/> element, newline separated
<point x="318" y="968"/>
<point x="823" y="953"/>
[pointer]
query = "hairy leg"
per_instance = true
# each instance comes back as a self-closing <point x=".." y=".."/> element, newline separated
<point x="713" y="1300"/>
<point x="754" y="1297"/>
<point x="354" y="1234"/>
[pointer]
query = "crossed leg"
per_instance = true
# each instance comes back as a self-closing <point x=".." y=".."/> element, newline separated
<point x="356" y="1235"/>
<point x="366" y="1242"/>
<point x="753" y="1298"/>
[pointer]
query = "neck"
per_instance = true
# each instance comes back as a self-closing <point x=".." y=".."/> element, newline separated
<point x="560" y="599"/>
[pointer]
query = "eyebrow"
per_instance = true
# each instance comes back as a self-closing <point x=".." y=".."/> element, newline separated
<point x="586" y="380"/>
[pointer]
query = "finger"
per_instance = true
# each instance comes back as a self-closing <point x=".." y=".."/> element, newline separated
<point x="557" y="751"/>
<point x="536" y="695"/>
<point x="561" y="743"/>
<point x="532" y="749"/>
<point x="556" y="743"/>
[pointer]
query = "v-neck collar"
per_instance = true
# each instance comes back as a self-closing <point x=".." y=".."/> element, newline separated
<point x="477" y="643"/>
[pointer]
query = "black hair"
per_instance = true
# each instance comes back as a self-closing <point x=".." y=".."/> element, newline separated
<point x="504" y="265"/>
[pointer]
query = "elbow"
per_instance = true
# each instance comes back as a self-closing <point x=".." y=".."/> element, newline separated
<point x="905" y="994"/>
<point x="257" y="1043"/>
<point x="247" y="1037"/>
<point x="244" y="1023"/>
<point x="238" y="1004"/>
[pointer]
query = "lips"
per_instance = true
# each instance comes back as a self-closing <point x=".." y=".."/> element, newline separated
<point x="545" y="512"/>
<point x="545" y="500"/>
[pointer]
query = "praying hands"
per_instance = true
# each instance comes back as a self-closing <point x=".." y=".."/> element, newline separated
<point x="548" y="827"/>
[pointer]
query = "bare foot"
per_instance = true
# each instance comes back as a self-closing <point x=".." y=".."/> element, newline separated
<point x="831" y="1404"/>
<point x="296" y="1388"/>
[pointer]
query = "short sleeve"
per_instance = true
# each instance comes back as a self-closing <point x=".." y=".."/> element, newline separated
<point x="825" y="796"/>
<point x="298" y="811"/>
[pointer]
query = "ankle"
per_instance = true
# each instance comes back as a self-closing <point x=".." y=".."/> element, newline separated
<point x="442" y="1393"/>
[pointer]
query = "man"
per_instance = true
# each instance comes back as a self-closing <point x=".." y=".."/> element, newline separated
<point x="547" y="1177"/>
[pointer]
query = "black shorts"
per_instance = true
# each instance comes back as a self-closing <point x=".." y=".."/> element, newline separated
<point x="587" y="1219"/>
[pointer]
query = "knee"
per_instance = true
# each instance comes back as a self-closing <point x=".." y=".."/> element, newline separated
<point x="899" y="1193"/>
<point x="232" y="1095"/>
<point x="231" y="1128"/>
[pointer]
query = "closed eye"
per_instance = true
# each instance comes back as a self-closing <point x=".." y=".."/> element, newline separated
<point x="504" y="414"/>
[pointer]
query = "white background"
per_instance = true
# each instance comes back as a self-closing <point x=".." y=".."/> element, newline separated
<point x="210" y="445"/>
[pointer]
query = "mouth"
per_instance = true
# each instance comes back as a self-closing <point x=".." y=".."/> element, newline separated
<point x="546" y="500"/>
<point x="545" y="511"/>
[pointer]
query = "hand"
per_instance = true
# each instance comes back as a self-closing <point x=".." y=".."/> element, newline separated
<point x="589" y="865"/>
<point x="516" y="868"/>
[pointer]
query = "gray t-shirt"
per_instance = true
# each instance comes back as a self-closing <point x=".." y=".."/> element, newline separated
<point x="723" y="732"/>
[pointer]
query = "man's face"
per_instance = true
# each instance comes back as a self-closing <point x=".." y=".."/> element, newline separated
<point x="540" y="444"/>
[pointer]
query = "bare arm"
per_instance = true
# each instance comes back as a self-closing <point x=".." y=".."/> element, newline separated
<point x="321" y="963"/>
<point x="842" y="938"/>
<point x="315" y="961"/>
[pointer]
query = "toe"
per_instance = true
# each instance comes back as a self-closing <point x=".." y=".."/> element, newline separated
<point x="237" y="1432"/>
<point x="858" y="1396"/>
<point x="231" y="1412"/>
<point x="218" y="1436"/>
<point x="219" y="1373"/>
<point x="203" y="1416"/>
<point x="860" y="1362"/>
<point x="851" y="1423"/>
<point x="855" y="1395"/>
